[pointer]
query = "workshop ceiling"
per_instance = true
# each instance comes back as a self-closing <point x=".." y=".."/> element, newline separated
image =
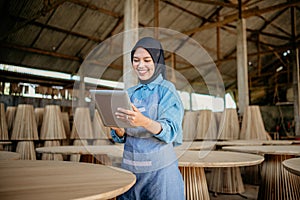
<point x="57" y="35"/>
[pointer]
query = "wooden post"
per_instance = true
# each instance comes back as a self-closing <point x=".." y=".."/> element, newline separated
<point x="242" y="67"/>
<point x="130" y="38"/>
<point x="296" y="72"/>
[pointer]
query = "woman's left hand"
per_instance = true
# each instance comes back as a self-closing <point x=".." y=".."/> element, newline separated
<point x="134" y="117"/>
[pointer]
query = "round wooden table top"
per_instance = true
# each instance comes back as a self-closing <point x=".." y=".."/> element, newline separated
<point x="113" y="150"/>
<point x="292" y="165"/>
<point x="267" y="149"/>
<point x="8" y="155"/>
<point x="217" y="159"/>
<point x="39" y="179"/>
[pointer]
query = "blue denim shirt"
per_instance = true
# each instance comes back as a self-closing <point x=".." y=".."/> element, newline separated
<point x="169" y="111"/>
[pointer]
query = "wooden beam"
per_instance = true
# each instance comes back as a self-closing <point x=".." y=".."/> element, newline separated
<point x="216" y="3"/>
<point x="91" y="6"/>
<point x="246" y="14"/>
<point x="47" y="8"/>
<point x="40" y="51"/>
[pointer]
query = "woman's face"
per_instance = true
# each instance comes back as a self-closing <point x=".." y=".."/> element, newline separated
<point x="143" y="64"/>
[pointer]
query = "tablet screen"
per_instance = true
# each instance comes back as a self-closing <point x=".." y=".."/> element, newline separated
<point x="107" y="102"/>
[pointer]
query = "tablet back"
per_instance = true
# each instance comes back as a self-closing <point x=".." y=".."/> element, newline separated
<point x="107" y="102"/>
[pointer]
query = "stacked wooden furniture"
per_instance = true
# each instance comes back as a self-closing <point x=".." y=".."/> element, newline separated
<point x="206" y="125"/>
<point x="101" y="133"/>
<point x="3" y="125"/>
<point x="253" y="129"/>
<point x="10" y="118"/>
<point x="52" y="130"/>
<point x="253" y="125"/>
<point x="81" y="130"/>
<point x="189" y="125"/>
<point x="25" y="131"/>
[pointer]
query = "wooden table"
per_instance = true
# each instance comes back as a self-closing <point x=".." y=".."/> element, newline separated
<point x="276" y="183"/>
<point x="102" y="154"/>
<point x="292" y="165"/>
<point x="40" y="179"/>
<point x="8" y="155"/>
<point x="114" y="150"/>
<point x="192" y="164"/>
<point x="4" y="143"/>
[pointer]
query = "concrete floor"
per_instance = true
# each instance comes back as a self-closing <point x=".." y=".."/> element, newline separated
<point x="250" y="193"/>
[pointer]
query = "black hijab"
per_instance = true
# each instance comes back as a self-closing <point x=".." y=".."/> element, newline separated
<point x="154" y="48"/>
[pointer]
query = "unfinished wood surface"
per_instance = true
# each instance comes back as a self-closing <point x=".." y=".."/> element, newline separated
<point x="76" y="158"/>
<point x="252" y="125"/>
<point x="99" y="130"/>
<point x="195" y="185"/>
<point x="82" y="124"/>
<point x="266" y="149"/>
<point x="292" y="165"/>
<point x="52" y="126"/>
<point x="10" y="116"/>
<point x="8" y="155"/>
<point x="48" y="156"/>
<point x="25" y="127"/>
<point x="111" y="150"/>
<point x="206" y="125"/>
<point x="3" y="123"/>
<point x="229" y="127"/>
<point x="26" y="149"/>
<point x="276" y="182"/>
<point x="50" y="180"/>
<point x="189" y="125"/>
<point x="192" y="163"/>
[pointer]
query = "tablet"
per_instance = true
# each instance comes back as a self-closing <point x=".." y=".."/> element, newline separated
<point x="107" y="102"/>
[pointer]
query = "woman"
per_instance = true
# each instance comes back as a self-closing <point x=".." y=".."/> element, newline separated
<point x="156" y="117"/>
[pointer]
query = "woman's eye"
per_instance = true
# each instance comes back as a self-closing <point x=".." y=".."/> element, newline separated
<point x="147" y="60"/>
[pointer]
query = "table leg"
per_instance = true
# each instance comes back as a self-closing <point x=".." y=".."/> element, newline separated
<point x="195" y="185"/>
<point x="277" y="182"/>
<point x="226" y="180"/>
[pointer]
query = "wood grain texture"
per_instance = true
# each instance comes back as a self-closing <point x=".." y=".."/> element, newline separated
<point x="229" y="127"/>
<point x="52" y="126"/>
<point x="3" y="123"/>
<point x="10" y="116"/>
<point x="206" y="125"/>
<point x="252" y="125"/>
<point x="48" y="156"/>
<point x="25" y="127"/>
<point x="99" y="130"/>
<point x="82" y="124"/>
<point x="26" y="149"/>
<point x="50" y="180"/>
<point x="189" y="125"/>
<point x="76" y="158"/>
<point x="7" y="155"/>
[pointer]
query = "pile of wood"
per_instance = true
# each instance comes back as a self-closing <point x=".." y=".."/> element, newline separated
<point x="206" y="125"/>
<point x="253" y="125"/>
<point x="3" y="124"/>
<point x="82" y="124"/>
<point x="10" y="117"/>
<point x="101" y="133"/>
<point x="52" y="126"/>
<point x="229" y="128"/>
<point x="25" y="127"/>
<point x="189" y="125"/>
